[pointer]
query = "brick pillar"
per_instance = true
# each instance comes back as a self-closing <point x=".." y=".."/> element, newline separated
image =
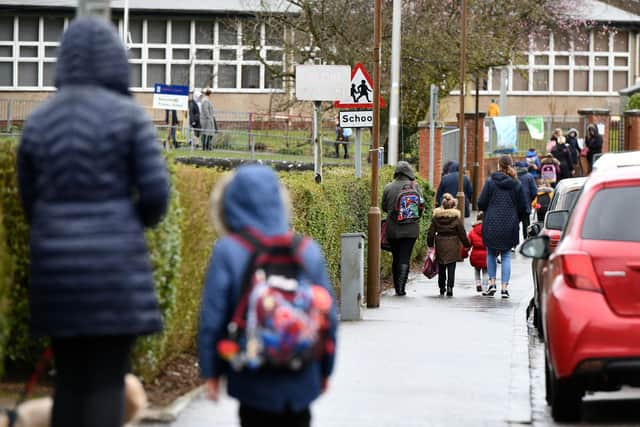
<point x="596" y="116"/>
<point x="423" y="166"/>
<point x="632" y="130"/>
<point x="475" y="152"/>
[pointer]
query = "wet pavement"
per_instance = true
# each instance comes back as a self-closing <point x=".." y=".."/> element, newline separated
<point x="425" y="360"/>
<point x="422" y="360"/>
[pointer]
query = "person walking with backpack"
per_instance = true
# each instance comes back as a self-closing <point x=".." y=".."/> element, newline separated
<point x="503" y="202"/>
<point x="549" y="170"/>
<point x="447" y="235"/>
<point x="402" y="201"/>
<point x="478" y="256"/>
<point x="91" y="178"/>
<point x="264" y="286"/>
<point x="530" y="190"/>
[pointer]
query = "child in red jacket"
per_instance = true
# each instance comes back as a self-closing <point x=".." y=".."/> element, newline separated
<point x="478" y="257"/>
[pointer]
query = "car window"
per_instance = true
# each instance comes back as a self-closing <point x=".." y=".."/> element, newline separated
<point x="569" y="199"/>
<point x="607" y="207"/>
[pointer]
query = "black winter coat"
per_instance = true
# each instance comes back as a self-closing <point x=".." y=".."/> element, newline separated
<point x="529" y="187"/>
<point x="194" y="116"/>
<point x="562" y="152"/>
<point x="91" y="176"/>
<point x="503" y="203"/>
<point x="449" y="184"/>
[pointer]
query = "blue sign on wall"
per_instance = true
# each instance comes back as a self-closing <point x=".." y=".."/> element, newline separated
<point x="171" y="89"/>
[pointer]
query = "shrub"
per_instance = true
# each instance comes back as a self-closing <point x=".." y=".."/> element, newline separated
<point x="634" y="102"/>
<point x="5" y="276"/>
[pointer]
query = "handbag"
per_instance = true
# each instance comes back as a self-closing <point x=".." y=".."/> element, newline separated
<point x="430" y="266"/>
<point x="384" y="242"/>
<point x="464" y="252"/>
<point x="584" y="151"/>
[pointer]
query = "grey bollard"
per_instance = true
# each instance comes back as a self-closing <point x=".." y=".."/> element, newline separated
<point x="351" y="275"/>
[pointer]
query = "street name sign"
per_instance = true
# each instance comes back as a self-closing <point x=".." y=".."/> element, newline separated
<point x="360" y="90"/>
<point x="170" y="97"/>
<point x="356" y="119"/>
<point x="322" y="82"/>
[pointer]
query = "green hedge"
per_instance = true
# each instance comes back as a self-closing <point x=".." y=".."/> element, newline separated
<point x="180" y="249"/>
<point x="5" y="271"/>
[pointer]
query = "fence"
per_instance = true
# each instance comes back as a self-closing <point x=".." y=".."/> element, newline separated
<point x="450" y="146"/>
<point x="524" y="139"/>
<point x="616" y="134"/>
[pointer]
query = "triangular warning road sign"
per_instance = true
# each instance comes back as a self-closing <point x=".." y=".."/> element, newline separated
<point x="360" y="91"/>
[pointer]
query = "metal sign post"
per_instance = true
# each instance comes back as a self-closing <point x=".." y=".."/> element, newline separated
<point x="358" y="152"/>
<point x="432" y="130"/>
<point x="317" y="145"/>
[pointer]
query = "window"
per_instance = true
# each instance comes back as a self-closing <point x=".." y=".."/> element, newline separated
<point x="180" y="32"/>
<point x="53" y="29"/>
<point x="227" y="76"/>
<point x="585" y="61"/>
<point x="598" y="223"/>
<point x="156" y="31"/>
<point x="228" y="54"/>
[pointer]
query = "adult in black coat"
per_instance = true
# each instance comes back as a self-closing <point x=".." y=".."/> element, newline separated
<point x="574" y="147"/>
<point x="91" y="177"/>
<point x="449" y="184"/>
<point x="503" y="202"/>
<point x="530" y="190"/>
<point x="194" y="115"/>
<point x="562" y="152"/>
<point x="593" y="141"/>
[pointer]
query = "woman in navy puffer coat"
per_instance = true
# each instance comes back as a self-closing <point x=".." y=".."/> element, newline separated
<point x="91" y="177"/>
<point x="252" y="200"/>
<point x="504" y="204"/>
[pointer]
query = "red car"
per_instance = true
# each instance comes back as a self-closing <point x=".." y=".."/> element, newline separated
<point x="591" y="293"/>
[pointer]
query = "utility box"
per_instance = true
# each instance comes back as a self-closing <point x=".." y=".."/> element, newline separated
<point x="351" y="275"/>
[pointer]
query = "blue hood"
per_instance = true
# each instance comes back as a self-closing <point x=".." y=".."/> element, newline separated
<point x="91" y="53"/>
<point x="254" y="199"/>
<point x="453" y="167"/>
<point x="531" y="153"/>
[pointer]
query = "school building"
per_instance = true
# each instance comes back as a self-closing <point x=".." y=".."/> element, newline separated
<point x="560" y="75"/>
<point x="188" y="42"/>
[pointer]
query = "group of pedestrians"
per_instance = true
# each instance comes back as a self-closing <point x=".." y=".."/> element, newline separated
<point x="505" y="202"/>
<point x="91" y="282"/>
<point x="202" y="121"/>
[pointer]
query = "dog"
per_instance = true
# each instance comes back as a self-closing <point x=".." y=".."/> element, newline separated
<point x="37" y="412"/>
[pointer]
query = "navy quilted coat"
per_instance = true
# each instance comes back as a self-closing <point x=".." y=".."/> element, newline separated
<point x="503" y="202"/>
<point x="91" y="176"/>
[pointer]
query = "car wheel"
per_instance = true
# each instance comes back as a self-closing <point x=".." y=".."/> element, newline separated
<point x="537" y="322"/>
<point x="564" y="396"/>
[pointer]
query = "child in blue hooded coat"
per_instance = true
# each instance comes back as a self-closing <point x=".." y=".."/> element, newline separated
<point x="252" y="199"/>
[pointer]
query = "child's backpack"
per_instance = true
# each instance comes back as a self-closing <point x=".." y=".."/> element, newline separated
<point x="542" y="202"/>
<point x="280" y="322"/>
<point x="408" y="205"/>
<point x="548" y="173"/>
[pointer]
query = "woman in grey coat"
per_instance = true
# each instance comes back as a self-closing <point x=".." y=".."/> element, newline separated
<point x="207" y="120"/>
<point x="91" y="177"/>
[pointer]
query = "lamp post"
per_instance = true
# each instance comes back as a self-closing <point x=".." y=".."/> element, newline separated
<point x="373" y="247"/>
<point x="463" y="49"/>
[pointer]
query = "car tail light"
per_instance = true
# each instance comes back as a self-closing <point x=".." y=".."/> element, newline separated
<point x="578" y="271"/>
<point x="554" y="238"/>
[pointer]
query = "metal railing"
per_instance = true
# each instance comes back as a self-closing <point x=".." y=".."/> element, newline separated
<point x="450" y="145"/>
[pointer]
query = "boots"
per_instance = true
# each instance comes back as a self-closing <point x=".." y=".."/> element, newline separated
<point x="403" y="276"/>
<point x="396" y="279"/>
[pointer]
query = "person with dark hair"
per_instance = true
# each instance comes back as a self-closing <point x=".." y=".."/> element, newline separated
<point x="91" y="178"/>
<point x="574" y="147"/>
<point x="530" y="190"/>
<point x="593" y="143"/>
<point x="449" y="184"/>
<point x="403" y="215"/>
<point x="194" y="115"/>
<point x="446" y="233"/>
<point x="503" y="202"/>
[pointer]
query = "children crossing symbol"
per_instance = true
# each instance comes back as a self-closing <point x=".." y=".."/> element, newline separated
<point x="360" y="91"/>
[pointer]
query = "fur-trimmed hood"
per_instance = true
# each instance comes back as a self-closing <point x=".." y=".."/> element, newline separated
<point x="250" y="197"/>
<point x="446" y="213"/>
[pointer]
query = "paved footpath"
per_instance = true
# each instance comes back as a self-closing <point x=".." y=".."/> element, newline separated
<point x="422" y="360"/>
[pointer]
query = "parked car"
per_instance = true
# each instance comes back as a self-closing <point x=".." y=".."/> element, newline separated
<point x="608" y="161"/>
<point x="564" y="197"/>
<point x="591" y="293"/>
